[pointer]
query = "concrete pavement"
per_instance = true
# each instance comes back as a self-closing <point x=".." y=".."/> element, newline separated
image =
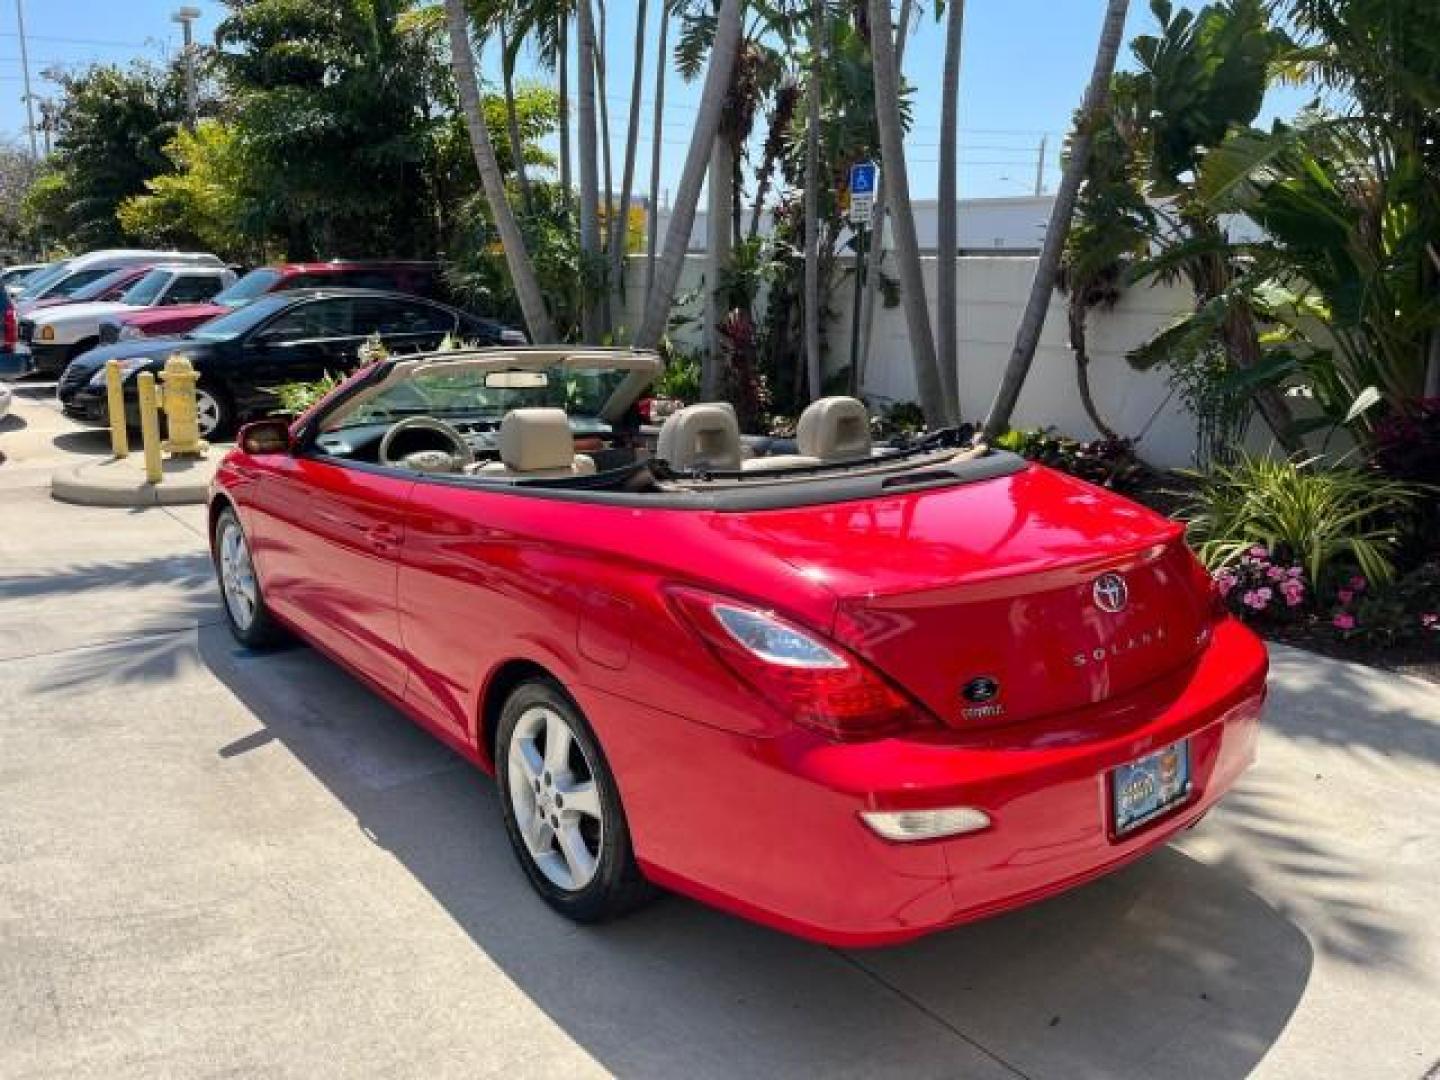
<point x="218" y="863"/>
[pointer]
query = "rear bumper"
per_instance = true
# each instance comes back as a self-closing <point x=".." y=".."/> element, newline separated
<point x="769" y="829"/>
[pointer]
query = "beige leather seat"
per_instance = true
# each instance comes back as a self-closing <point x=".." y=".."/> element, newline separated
<point x="831" y="429"/>
<point x="537" y="444"/>
<point x="701" y="436"/>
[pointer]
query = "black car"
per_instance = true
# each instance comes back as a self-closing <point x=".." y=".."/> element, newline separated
<point x="281" y="338"/>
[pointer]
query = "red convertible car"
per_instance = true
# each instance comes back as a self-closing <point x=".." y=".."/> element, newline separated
<point x="857" y="693"/>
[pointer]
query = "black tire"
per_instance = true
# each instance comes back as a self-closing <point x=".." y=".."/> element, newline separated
<point x="224" y="411"/>
<point x="617" y="886"/>
<point x="260" y="631"/>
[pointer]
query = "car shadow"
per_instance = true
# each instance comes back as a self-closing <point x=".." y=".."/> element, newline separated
<point x="10" y="422"/>
<point x="95" y="441"/>
<point x="1171" y="967"/>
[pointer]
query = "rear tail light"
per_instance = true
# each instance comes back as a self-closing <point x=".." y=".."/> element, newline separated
<point x="813" y="682"/>
<point x="12" y="328"/>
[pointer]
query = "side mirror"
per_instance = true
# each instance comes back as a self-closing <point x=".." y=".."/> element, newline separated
<point x="265" y="437"/>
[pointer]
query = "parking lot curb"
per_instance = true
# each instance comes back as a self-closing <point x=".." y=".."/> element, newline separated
<point x="121" y="482"/>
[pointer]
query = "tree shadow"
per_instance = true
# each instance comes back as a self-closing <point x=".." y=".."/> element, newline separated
<point x="1171" y="967"/>
<point x="1342" y="704"/>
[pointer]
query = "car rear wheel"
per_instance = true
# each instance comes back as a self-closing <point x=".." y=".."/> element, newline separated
<point x="250" y="620"/>
<point x="213" y="412"/>
<point x="562" y="808"/>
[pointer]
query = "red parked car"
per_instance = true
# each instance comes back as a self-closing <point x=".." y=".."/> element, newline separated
<point x="855" y="693"/>
<point x="413" y="278"/>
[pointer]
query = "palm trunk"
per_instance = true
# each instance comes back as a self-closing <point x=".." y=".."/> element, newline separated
<point x="1079" y="345"/>
<point x="512" y="123"/>
<point x="1042" y="288"/>
<point x="517" y="258"/>
<point x="656" y="143"/>
<point x="562" y="59"/>
<point x="607" y="313"/>
<point x="1432" y="368"/>
<point x="947" y="303"/>
<point x="723" y="52"/>
<point x="877" y="228"/>
<point x="780" y="119"/>
<point x="814" y="373"/>
<point x="718" y="248"/>
<point x="907" y="244"/>
<point x="620" y="233"/>
<point x="589" y="173"/>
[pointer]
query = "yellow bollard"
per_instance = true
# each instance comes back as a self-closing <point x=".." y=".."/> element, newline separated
<point x="115" y="392"/>
<point x="150" y="427"/>
<point x="182" y="425"/>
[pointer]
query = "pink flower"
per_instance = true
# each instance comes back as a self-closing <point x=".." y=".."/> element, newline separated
<point x="1296" y="572"/>
<point x="1293" y="591"/>
<point x="1358" y="583"/>
<point x="1345" y="596"/>
<point x="1430" y="621"/>
<point x="1258" y="599"/>
<point x="1225" y="581"/>
<point x="1259" y="551"/>
<point x="1275" y="573"/>
<point x="1344" y="621"/>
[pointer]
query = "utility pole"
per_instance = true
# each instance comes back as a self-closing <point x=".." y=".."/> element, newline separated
<point x="1040" y="167"/>
<point x="186" y="16"/>
<point x="25" y="69"/>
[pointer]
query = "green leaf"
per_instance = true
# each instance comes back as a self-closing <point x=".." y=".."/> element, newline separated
<point x="1365" y="400"/>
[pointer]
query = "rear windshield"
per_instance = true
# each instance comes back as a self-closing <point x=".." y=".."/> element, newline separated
<point x="100" y="286"/>
<point x="145" y="291"/>
<point x="45" y="277"/>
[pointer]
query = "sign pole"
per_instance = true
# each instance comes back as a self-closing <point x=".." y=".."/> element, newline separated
<point x="861" y="236"/>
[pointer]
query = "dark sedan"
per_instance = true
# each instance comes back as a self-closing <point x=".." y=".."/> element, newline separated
<point x="287" y="337"/>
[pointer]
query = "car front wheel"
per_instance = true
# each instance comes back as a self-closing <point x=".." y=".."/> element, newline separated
<point x="250" y="620"/>
<point x="562" y="808"/>
<point x="213" y="412"/>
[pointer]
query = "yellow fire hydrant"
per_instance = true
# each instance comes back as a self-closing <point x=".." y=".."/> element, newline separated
<point x="177" y="401"/>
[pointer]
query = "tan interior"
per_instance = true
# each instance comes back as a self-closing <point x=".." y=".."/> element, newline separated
<point x="535" y="444"/>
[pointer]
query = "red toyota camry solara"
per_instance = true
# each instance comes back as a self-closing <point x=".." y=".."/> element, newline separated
<point x="855" y="692"/>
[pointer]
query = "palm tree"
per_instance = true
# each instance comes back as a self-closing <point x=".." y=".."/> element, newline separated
<point x="509" y="53"/>
<point x="562" y="59"/>
<point x="947" y="303"/>
<point x="933" y="403"/>
<point x="882" y="209"/>
<point x="724" y="49"/>
<point x="620" y="231"/>
<point x="517" y="258"/>
<point x="656" y="143"/>
<point x="589" y="170"/>
<point x="1027" y="337"/>
<point x="810" y="317"/>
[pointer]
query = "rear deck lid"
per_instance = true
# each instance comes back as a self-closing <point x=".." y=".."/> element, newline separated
<point x="1002" y="600"/>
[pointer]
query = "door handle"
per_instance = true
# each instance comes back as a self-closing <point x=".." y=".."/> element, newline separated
<point x="383" y="538"/>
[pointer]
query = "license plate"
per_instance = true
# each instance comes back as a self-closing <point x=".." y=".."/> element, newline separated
<point x="1149" y="786"/>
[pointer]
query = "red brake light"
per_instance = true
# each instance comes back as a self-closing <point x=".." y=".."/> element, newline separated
<point x="813" y="682"/>
<point x="12" y="327"/>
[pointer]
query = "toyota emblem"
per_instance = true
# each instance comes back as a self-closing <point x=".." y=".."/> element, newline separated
<point x="1111" y="593"/>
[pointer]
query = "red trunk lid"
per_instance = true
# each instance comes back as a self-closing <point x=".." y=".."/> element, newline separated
<point x="981" y="599"/>
<point x="175" y="319"/>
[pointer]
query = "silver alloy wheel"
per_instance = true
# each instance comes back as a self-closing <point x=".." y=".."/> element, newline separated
<point x="237" y="575"/>
<point x="207" y="412"/>
<point x="554" y="798"/>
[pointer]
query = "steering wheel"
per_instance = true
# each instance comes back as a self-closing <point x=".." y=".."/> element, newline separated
<point x="410" y="444"/>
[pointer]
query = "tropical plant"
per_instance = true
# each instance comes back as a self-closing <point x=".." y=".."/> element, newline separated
<point x="940" y="409"/>
<point x="947" y="302"/>
<point x="522" y="270"/>
<point x="298" y="397"/>
<point x="1328" y="521"/>
<point x="1047" y="269"/>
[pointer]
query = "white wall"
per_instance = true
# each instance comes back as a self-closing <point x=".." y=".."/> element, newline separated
<point x="993" y="290"/>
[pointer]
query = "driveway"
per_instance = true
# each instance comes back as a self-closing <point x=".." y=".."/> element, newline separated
<point x="217" y="863"/>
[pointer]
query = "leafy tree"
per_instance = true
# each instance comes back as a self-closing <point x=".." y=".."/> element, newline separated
<point x="111" y="129"/>
<point x="341" y="110"/>
<point x="17" y="176"/>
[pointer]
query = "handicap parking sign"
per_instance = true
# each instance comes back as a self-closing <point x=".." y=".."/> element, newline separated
<point x="862" y="178"/>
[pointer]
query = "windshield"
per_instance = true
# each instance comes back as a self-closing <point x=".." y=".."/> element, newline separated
<point x="44" y="278"/>
<point x="256" y="283"/>
<point x="241" y="320"/>
<point x="148" y="289"/>
<point x="453" y="392"/>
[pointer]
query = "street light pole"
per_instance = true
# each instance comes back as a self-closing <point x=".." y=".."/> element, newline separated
<point x="25" y="68"/>
<point x="186" y="16"/>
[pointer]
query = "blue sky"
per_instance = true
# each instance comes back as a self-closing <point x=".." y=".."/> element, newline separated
<point x="1024" y="68"/>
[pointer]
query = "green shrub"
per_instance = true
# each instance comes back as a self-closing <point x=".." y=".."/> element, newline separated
<point x="1326" y="520"/>
<point x="297" y="397"/>
<point x="1109" y="463"/>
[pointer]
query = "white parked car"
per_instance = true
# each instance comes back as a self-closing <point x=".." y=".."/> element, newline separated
<point x="63" y="278"/>
<point x="57" y="335"/>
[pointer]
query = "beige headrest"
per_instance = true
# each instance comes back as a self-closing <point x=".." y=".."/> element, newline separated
<point x="532" y="440"/>
<point x="834" y="429"/>
<point x="701" y="435"/>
